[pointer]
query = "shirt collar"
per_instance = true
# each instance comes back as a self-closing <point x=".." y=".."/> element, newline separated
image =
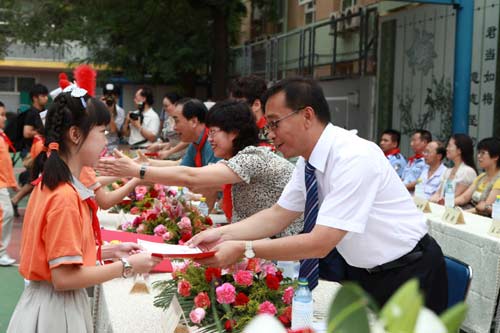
<point x="83" y="191"/>
<point x="319" y="155"/>
<point x="201" y="136"/>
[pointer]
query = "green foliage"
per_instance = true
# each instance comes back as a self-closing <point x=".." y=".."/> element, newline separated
<point x="453" y="317"/>
<point x="401" y="311"/>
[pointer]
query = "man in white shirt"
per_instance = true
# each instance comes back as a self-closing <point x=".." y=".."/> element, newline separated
<point x="142" y="126"/>
<point x="357" y="202"/>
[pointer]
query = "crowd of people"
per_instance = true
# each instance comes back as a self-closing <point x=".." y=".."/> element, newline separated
<point x="344" y="204"/>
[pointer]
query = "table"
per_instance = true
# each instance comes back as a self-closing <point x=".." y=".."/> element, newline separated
<point x="115" y="310"/>
<point x="471" y="244"/>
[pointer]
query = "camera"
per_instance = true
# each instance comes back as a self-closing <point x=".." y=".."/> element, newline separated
<point x="109" y="100"/>
<point x="134" y="116"/>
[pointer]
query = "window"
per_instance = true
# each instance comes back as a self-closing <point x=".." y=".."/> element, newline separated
<point x="7" y="83"/>
<point x="309" y="11"/>
<point x="25" y="83"/>
<point x="348" y="3"/>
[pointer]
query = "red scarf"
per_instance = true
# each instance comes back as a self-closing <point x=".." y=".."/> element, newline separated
<point x="95" y="227"/>
<point x="414" y="157"/>
<point x="393" y="151"/>
<point x="7" y="141"/>
<point x="199" y="147"/>
<point x="261" y="123"/>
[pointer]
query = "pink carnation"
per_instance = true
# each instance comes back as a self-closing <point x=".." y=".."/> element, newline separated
<point x="267" y="307"/>
<point x="184" y="223"/>
<point x="225" y="293"/>
<point x="126" y="225"/>
<point x="166" y="236"/>
<point x="244" y="278"/>
<point x="269" y="268"/>
<point x="134" y="210"/>
<point x="288" y="295"/>
<point x="141" y="189"/>
<point x="197" y="315"/>
<point x="159" y="230"/>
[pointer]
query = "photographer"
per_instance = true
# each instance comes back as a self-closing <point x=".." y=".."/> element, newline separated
<point x="142" y="126"/>
<point x="110" y="98"/>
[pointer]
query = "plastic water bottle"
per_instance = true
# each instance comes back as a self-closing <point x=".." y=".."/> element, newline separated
<point x="203" y="208"/>
<point x="302" y="306"/>
<point x="449" y="194"/>
<point x="419" y="189"/>
<point x="495" y="212"/>
<point x="180" y="192"/>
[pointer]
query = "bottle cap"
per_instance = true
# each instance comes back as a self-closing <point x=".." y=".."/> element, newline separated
<point x="203" y="199"/>
<point x="303" y="281"/>
<point x="179" y="188"/>
<point x="498" y="197"/>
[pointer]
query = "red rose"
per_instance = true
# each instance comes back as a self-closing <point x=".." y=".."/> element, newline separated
<point x="185" y="236"/>
<point x="253" y="265"/>
<point x="184" y="288"/>
<point x="272" y="282"/>
<point x="148" y="205"/>
<point x="153" y="193"/>
<point x="229" y="325"/>
<point x="279" y="275"/>
<point x="202" y="300"/>
<point x="211" y="273"/>
<point x="241" y="299"/>
<point x="208" y="220"/>
<point x="285" y="320"/>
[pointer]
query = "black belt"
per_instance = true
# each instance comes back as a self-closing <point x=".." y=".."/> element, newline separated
<point x="413" y="255"/>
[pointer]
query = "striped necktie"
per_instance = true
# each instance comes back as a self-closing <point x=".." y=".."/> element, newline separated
<point x="309" y="268"/>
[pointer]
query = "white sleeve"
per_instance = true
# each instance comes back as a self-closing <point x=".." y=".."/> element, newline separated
<point x="152" y="124"/>
<point x="293" y="196"/>
<point x="465" y="176"/>
<point x="354" y="184"/>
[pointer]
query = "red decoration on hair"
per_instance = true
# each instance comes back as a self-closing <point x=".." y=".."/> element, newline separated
<point x="53" y="146"/>
<point x="85" y="77"/>
<point x="63" y="80"/>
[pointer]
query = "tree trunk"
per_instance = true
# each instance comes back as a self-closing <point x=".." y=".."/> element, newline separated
<point x="221" y="54"/>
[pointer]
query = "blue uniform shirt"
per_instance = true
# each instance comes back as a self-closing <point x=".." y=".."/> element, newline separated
<point x="398" y="162"/>
<point x="207" y="154"/>
<point x="413" y="170"/>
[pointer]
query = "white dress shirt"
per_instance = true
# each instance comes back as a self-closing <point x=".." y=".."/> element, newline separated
<point x="359" y="192"/>
<point x="151" y="123"/>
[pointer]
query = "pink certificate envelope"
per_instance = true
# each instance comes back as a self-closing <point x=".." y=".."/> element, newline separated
<point x="109" y="235"/>
<point x="174" y="251"/>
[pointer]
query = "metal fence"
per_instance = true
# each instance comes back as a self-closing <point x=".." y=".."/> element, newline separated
<point x="339" y="47"/>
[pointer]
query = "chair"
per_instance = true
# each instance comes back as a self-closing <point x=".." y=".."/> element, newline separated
<point x="459" y="278"/>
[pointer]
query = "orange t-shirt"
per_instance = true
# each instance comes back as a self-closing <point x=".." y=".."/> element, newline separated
<point x="37" y="146"/>
<point x="57" y="230"/>
<point x="88" y="178"/>
<point x="7" y="178"/>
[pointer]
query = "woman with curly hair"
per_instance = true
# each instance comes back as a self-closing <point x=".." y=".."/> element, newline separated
<point x="257" y="175"/>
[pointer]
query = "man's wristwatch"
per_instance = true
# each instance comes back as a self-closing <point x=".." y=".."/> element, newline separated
<point x="142" y="171"/>
<point x="127" y="268"/>
<point x="249" y="253"/>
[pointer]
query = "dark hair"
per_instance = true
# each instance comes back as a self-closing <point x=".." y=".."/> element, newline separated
<point x="65" y="112"/>
<point x="192" y="107"/>
<point x="249" y="87"/>
<point x="147" y="93"/>
<point x="235" y="116"/>
<point x="492" y="146"/>
<point x="299" y="93"/>
<point x="172" y="97"/>
<point x="466" y="146"/>
<point x="440" y="149"/>
<point x="37" y="90"/>
<point x="395" y="135"/>
<point x="1" y="104"/>
<point x="425" y="135"/>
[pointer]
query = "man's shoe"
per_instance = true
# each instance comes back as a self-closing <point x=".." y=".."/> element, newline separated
<point x="16" y="212"/>
<point x="5" y="260"/>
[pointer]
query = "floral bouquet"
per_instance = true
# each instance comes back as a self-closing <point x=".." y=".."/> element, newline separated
<point x="175" y="220"/>
<point x="142" y="198"/>
<point x="226" y="300"/>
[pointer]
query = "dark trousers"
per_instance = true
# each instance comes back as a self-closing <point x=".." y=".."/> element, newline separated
<point x="430" y="269"/>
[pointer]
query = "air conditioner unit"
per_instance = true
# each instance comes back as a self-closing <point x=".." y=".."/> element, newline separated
<point x="335" y="21"/>
<point x="352" y="22"/>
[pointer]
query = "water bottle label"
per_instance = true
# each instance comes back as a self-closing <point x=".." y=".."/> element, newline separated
<point x="302" y="314"/>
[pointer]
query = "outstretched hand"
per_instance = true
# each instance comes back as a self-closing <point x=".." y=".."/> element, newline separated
<point x="120" y="166"/>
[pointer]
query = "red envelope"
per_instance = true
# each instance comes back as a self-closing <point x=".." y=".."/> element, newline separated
<point x="109" y="235"/>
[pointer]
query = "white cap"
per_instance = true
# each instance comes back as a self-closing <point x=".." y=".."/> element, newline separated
<point x="209" y="104"/>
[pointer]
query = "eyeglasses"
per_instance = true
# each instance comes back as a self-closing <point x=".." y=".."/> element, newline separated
<point x="213" y="131"/>
<point x="482" y="153"/>
<point x="273" y="124"/>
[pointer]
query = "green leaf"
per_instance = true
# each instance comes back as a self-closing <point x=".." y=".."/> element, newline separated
<point x="400" y="313"/>
<point x="348" y="311"/>
<point x="453" y="317"/>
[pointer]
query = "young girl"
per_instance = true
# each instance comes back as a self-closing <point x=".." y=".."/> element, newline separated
<point x="7" y="180"/>
<point x="61" y="231"/>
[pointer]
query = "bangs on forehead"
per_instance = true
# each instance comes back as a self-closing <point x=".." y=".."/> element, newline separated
<point x="97" y="112"/>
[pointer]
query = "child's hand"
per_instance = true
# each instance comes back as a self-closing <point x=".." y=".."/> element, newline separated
<point x="126" y="249"/>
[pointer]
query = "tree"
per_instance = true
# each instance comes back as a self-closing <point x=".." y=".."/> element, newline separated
<point x="149" y="41"/>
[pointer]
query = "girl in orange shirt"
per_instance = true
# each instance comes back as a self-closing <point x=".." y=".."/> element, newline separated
<point x="7" y="180"/>
<point x="60" y="230"/>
